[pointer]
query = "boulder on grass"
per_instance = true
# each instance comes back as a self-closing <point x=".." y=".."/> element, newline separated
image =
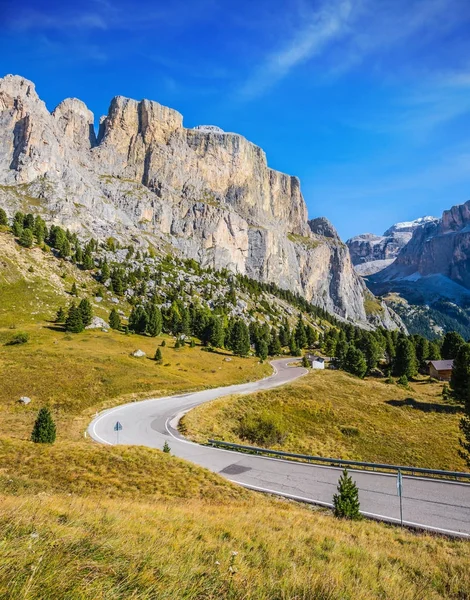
<point x="139" y="353"/>
<point x="97" y="323"/>
<point x="24" y="400"/>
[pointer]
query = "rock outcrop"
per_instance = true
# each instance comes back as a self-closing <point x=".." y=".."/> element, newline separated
<point x="371" y="253"/>
<point x="145" y="177"/>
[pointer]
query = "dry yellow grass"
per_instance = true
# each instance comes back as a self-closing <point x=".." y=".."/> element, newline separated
<point x="331" y="413"/>
<point x="89" y="548"/>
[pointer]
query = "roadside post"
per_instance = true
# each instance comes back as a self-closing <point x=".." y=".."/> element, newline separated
<point x="117" y="429"/>
<point x="400" y="493"/>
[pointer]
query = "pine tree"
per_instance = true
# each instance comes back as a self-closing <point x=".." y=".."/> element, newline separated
<point x="73" y="322"/>
<point x="262" y="350"/>
<point x="354" y="362"/>
<point x="371" y="351"/>
<point x="293" y="348"/>
<point x="240" y="342"/>
<point x="154" y="325"/>
<point x="346" y="501"/>
<point x="3" y="217"/>
<point x="300" y="334"/>
<point x="17" y="228"/>
<point x="166" y="448"/>
<point x="60" y="316"/>
<point x="451" y="345"/>
<point x="422" y="350"/>
<point x="44" y="430"/>
<point x="26" y="238"/>
<point x="74" y="291"/>
<point x="214" y="332"/>
<point x="88" y="263"/>
<point x="114" y="319"/>
<point x="158" y="356"/>
<point x="305" y="362"/>
<point x="405" y="358"/>
<point x="138" y="320"/>
<point x="105" y="273"/>
<point x="86" y="311"/>
<point x="341" y="351"/>
<point x="284" y="334"/>
<point x="460" y="377"/>
<point x="311" y="336"/>
<point x="274" y="344"/>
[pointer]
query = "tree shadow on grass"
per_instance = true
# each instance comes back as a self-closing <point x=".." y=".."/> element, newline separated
<point x="451" y="409"/>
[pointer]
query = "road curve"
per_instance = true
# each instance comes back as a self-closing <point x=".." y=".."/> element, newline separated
<point x="434" y="505"/>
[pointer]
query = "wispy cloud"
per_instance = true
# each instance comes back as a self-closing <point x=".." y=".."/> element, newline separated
<point x="341" y="35"/>
<point x="319" y="29"/>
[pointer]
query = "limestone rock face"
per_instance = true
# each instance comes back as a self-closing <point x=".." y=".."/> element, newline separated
<point x="371" y="253"/>
<point x="146" y="178"/>
<point x="435" y="261"/>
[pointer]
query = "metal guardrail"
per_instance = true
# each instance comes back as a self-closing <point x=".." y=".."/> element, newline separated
<point x="340" y="462"/>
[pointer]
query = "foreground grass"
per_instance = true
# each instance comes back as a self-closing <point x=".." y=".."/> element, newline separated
<point x="331" y="413"/>
<point x="74" y="547"/>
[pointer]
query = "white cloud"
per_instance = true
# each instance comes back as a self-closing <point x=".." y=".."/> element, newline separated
<point x="319" y="29"/>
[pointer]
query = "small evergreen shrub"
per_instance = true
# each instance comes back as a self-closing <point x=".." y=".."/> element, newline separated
<point x="158" y="356"/>
<point x="403" y="380"/>
<point x="44" y="430"/>
<point x="166" y="448"/>
<point x="19" y="338"/>
<point x="346" y="501"/>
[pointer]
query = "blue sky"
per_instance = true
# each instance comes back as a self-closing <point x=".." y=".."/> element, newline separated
<point x="367" y="101"/>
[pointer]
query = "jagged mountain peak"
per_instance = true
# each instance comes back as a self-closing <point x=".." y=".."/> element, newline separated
<point x="147" y="178"/>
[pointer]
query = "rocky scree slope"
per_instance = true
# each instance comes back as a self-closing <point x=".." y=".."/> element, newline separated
<point x="145" y="178"/>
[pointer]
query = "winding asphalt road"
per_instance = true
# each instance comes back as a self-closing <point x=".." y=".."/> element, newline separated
<point x="434" y="505"/>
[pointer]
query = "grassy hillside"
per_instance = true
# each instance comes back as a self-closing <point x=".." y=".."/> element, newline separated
<point x="79" y="374"/>
<point x="331" y="413"/>
<point x="58" y="546"/>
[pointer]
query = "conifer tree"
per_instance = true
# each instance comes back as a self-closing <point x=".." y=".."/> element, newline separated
<point x="88" y="263"/>
<point x="114" y="319"/>
<point x="354" y="362"/>
<point x="240" y="342"/>
<point x="274" y="344"/>
<point x="138" y="320"/>
<point x="311" y="336"/>
<point x="105" y="273"/>
<point x="3" y="217"/>
<point x="158" y="356"/>
<point x="293" y="348"/>
<point x="26" y="238"/>
<point x="305" y="362"/>
<point x="284" y="334"/>
<point x="405" y="358"/>
<point x="60" y="316"/>
<point x="460" y="377"/>
<point x="17" y="228"/>
<point x="74" y="291"/>
<point x="340" y="354"/>
<point x="261" y="349"/>
<point x="154" y="324"/>
<point x="346" y="501"/>
<point x="214" y="334"/>
<point x="73" y="322"/>
<point x="451" y="345"/>
<point x="300" y="333"/>
<point x="44" y="430"/>
<point x="86" y="311"/>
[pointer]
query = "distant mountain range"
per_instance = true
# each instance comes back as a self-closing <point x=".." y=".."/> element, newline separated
<point x="424" y="268"/>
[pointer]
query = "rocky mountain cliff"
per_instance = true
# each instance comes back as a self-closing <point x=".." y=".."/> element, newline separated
<point x="371" y="253"/>
<point x="432" y="272"/>
<point x="204" y="193"/>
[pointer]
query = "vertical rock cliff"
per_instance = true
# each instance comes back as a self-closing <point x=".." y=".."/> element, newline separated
<point x="145" y="177"/>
